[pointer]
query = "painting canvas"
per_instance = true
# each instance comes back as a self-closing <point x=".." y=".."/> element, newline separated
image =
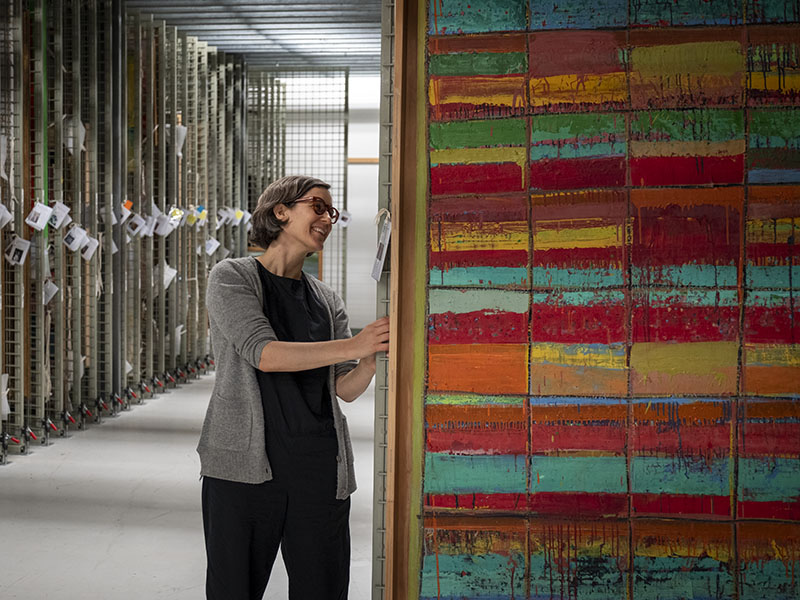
<point x="612" y="384"/>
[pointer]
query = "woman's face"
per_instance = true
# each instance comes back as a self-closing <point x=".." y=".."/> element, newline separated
<point x="304" y="225"/>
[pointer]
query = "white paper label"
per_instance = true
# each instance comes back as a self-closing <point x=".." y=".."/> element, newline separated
<point x="39" y="216"/>
<point x="383" y="245"/>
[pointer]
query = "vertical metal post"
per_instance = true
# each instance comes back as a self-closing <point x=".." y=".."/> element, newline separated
<point x="379" y="516"/>
<point x="58" y="350"/>
<point x="38" y="391"/>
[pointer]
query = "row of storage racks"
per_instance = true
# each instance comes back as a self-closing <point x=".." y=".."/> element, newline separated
<point x="123" y="180"/>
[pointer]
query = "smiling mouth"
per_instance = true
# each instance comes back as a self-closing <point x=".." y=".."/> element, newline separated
<point x="320" y="231"/>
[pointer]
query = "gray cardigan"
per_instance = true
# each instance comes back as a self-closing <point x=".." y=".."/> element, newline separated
<point x="232" y="440"/>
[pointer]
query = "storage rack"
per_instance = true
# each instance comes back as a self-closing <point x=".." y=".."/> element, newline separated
<point x="91" y="102"/>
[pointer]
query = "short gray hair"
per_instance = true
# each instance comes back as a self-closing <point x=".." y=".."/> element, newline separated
<point x="286" y="190"/>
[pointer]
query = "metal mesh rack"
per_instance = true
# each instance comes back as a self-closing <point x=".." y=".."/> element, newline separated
<point x="122" y="120"/>
<point x="311" y="127"/>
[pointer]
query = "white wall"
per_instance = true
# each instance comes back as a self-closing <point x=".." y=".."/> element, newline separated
<point x="362" y="198"/>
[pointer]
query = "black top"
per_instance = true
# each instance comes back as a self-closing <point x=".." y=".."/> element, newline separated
<point x="297" y="406"/>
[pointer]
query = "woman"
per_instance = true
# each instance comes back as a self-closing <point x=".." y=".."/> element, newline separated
<point x="275" y="453"/>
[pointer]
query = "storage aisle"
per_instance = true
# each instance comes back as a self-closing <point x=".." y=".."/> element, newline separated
<point x="114" y="511"/>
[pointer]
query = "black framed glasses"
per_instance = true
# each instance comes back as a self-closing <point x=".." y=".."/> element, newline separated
<point x="321" y="207"/>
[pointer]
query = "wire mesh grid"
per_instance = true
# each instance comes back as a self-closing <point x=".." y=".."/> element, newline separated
<point x="315" y="128"/>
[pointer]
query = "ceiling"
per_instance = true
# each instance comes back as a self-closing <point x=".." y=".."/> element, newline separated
<point x="280" y="34"/>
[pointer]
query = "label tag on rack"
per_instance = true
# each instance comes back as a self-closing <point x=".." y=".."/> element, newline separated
<point x="383" y="245"/>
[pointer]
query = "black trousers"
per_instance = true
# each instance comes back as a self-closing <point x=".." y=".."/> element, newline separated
<point x="244" y="525"/>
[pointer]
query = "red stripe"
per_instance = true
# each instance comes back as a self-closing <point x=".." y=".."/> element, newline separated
<point x="759" y="252"/>
<point x="478" y="328"/>
<point x="569" y="324"/>
<point x="769" y="439"/>
<point x="681" y="440"/>
<point x="687" y="170"/>
<point x="576" y="52"/>
<point x="466" y="110"/>
<point x="768" y="325"/>
<point x="505" y="502"/>
<point x="607" y="438"/>
<point x="479" y="208"/>
<point x="769" y="510"/>
<point x="556" y="174"/>
<point x="474" y="440"/>
<point x="681" y="323"/>
<point x="681" y="504"/>
<point x="470" y="258"/>
<point x="579" y="258"/>
<point x="476" y="179"/>
<point x="579" y="504"/>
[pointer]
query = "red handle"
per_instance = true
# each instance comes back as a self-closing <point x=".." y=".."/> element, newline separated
<point x="33" y="435"/>
<point x="88" y="413"/>
<point x="147" y="389"/>
<point x="134" y="394"/>
<point x="71" y="418"/>
<point x="160" y="384"/>
<point x="15" y="440"/>
<point x="52" y="426"/>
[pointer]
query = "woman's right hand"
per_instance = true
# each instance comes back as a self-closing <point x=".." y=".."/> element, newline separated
<point x="373" y="338"/>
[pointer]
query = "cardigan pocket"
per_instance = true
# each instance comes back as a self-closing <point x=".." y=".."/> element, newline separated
<point x="229" y="424"/>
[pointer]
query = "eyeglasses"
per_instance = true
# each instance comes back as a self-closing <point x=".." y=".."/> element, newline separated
<point x="321" y="207"/>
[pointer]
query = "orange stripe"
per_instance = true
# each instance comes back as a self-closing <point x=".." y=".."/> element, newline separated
<point x="772" y="380"/>
<point x="478" y="368"/>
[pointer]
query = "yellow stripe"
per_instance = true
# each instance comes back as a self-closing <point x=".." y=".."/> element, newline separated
<point x="609" y="87"/>
<point x="472" y="156"/>
<point x="774" y="355"/>
<point x="715" y="59"/>
<point x="583" y="237"/>
<point x="496" y="91"/>
<point x="772" y="231"/>
<point x="576" y="356"/>
<point x="698" y="358"/>
<point x="773" y="82"/>
<point x="678" y="148"/>
<point x="500" y="235"/>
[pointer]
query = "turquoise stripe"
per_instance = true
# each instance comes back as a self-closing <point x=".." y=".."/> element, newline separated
<point x="589" y="577"/>
<point x="580" y="278"/>
<point x="603" y="297"/>
<point x="473" y="575"/>
<point x="477" y="16"/>
<point x="679" y="577"/>
<point x="579" y="150"/>
<point x="677" y="400"/>
<point x="448" y="474"/>
<point x="590" y="474"/>
<point x="770" y="579"/>
<point x="681" y="475"/>
<point x="769" y="298"/>
<point x="685" y="275"/>
<point x="466" y="301"/>
<point x="769" y="479"/>
<point x="773" y="277"/>
<point x="479" y="276"/>
<point x="576" y="401"/>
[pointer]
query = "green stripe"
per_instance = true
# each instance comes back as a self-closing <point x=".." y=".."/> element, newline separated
<point x="714" y="125"/>
<point x="779" y="126"/>
<point x="484" y="63"/>
<point x="560" y="127"/>
<point x="592" y="298"/>
<point x="473" y="400"/>
<point x="474" y="134"/>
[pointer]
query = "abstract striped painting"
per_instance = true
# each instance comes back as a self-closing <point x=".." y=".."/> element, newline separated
<point x="612" y="386"/>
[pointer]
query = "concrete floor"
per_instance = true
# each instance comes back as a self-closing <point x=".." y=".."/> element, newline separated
<point x="113" y="512"/>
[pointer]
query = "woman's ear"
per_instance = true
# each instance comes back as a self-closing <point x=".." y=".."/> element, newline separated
<point x="281" y="212"/>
